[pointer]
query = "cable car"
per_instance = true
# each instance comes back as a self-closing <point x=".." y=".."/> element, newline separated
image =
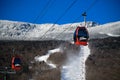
<point x="16" y="63"/>
<point x="81" y="36"/>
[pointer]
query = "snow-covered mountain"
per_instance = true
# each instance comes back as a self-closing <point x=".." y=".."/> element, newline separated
<point x="74" y="69"/>
<point x="10" y="30"/>
<point x="106" y="30"/>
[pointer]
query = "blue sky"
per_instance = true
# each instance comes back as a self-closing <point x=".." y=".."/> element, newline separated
<point x="57" y="11"/>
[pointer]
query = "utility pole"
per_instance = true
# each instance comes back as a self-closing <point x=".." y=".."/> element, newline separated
<point x="84" y="15"/>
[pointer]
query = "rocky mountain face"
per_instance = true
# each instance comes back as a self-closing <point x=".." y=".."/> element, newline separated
<point x="104" y="61"/>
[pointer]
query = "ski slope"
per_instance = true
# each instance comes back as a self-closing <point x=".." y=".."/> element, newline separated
<point x="75" y="67"/>
<point x="45" y="57"/>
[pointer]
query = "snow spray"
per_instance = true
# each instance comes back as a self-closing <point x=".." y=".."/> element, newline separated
<point x="75" y="67"/>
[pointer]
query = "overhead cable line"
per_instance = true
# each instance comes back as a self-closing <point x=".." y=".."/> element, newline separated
<point x="95" y="1"/>
<point x="90" y="7"/>
<point x="42" y="11"/>
<point x="48" y="7"/>
<point x="60" y="17"/>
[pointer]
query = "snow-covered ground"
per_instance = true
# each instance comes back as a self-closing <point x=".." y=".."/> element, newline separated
<point x="45" y="57"/>
<point x="10" y="30"/>
<point x="27" y="31"/>
<point x="106" y="30"/>
<point x="75" y="67"/>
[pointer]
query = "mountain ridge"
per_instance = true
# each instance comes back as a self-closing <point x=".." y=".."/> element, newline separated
<point x="10" y="30"/>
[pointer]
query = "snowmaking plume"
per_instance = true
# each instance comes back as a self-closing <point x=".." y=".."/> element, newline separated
<point x="75" y="66"/>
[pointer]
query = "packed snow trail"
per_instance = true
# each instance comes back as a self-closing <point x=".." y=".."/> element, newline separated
<point x="45" y="57"/>
<point x="75" y="69"/>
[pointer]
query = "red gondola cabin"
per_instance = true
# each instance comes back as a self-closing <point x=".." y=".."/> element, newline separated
<point x="16" y="63"/>
<point x="81" y="36"/>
